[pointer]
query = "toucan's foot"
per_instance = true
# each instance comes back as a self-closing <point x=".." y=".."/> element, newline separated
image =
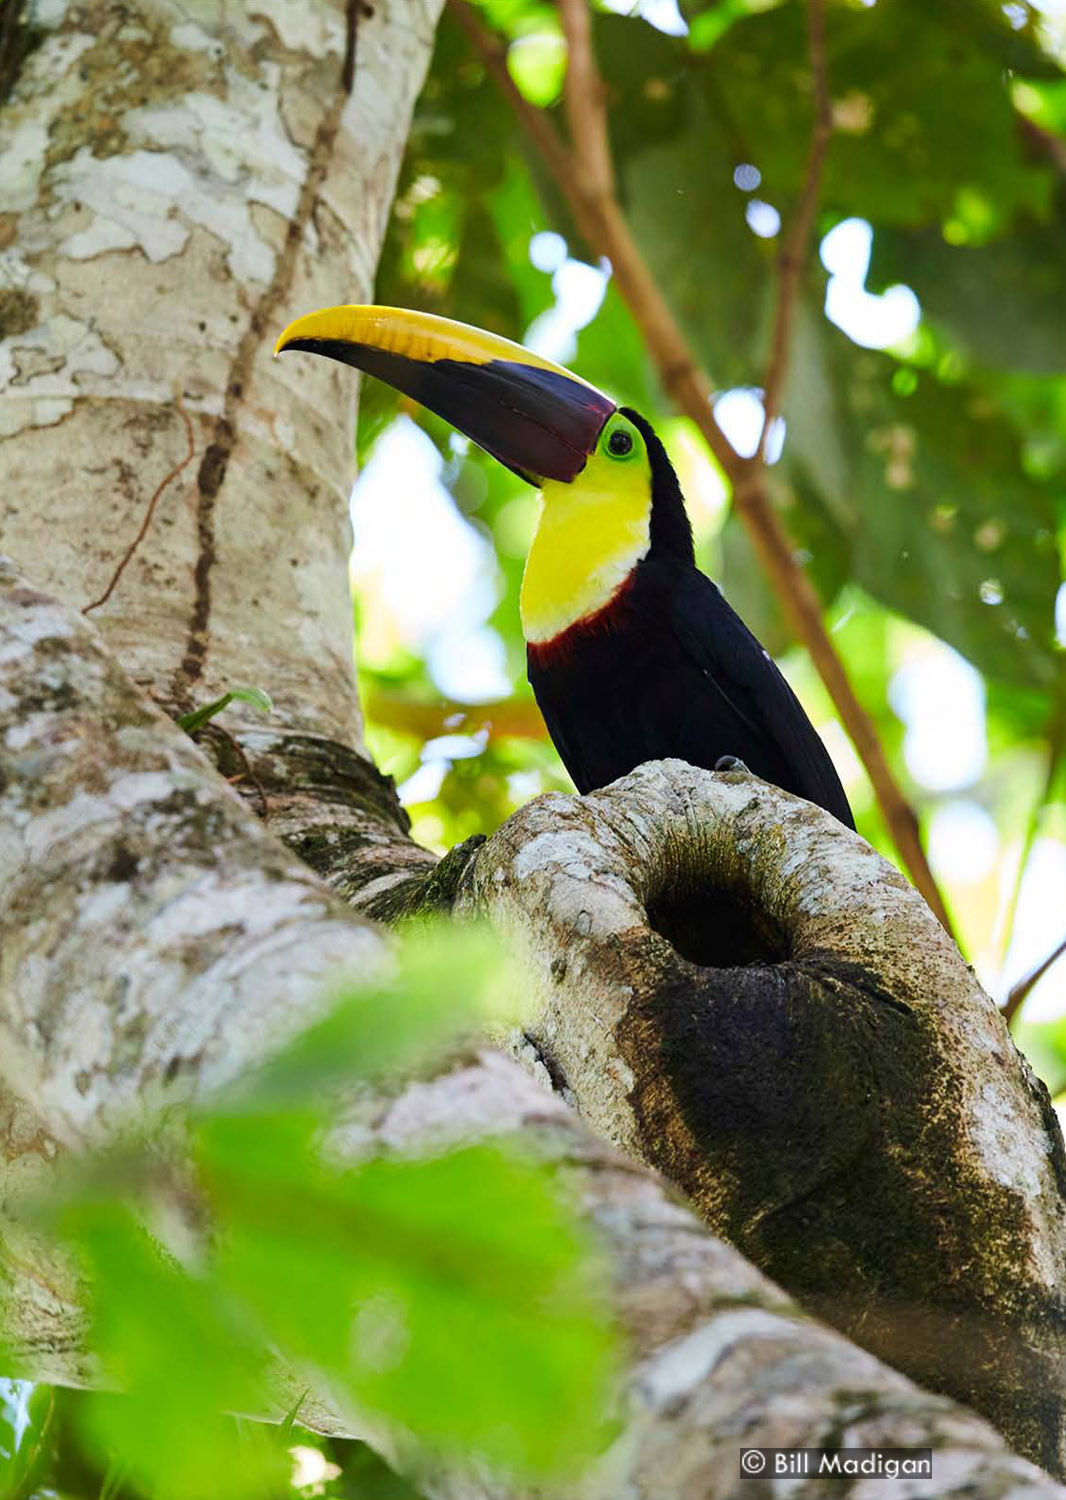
<point x="731" y="763"/>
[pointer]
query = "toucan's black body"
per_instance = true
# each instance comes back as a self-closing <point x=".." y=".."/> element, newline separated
<point x="667" y="668"/>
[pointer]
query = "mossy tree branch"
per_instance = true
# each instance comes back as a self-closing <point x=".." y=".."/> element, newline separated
<point x="740" y="992"/>
<point x="228" y="936"/>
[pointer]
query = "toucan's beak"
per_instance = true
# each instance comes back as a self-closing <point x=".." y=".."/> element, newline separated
<point x="533" y="416"/>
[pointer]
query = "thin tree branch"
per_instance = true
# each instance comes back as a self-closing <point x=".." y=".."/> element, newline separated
<point x="1021" y="991"/>
<point x="1056" y="743"/>
<point x="603" y="224"/>
<point x="793" y="258"/>
<point x="506" y="718"/>
<point x="586" y="103"/>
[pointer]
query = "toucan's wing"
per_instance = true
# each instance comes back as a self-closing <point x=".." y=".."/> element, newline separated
<point x="742" y="680"/>
<point x="567" y="746"/>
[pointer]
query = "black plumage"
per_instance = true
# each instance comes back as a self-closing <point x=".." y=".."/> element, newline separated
<point x="668" y="668"/>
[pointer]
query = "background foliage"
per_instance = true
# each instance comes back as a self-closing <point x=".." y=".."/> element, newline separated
<point x="924" y="481"/>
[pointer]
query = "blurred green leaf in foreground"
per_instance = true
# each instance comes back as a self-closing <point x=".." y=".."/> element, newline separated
<point x="448" y="1296"/>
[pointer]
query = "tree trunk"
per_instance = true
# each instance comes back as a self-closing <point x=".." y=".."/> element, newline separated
<point x="175" y="184"/>
<point x="735" y="992"/>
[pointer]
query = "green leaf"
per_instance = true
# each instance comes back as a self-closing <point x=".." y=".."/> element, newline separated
<point x="258" y="697"/>
<point x="675" y="166"/>
<point x="393" y="1283"/>
<point x="537" y="63"/>
<point x="921" y="107"/>
<point x="405" y="1281"/>
<point x="930" y="493"/>
<point x="1003" y="303"/>
<point x="26" y="1412"/>
<point x="181" y="1358"/>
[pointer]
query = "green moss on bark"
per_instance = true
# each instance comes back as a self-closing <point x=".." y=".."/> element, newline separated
<point x="816" y="1120"/>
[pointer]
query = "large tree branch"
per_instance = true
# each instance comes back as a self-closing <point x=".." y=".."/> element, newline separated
<point x="602" y="222"/>
<point x="104" y="799"/>
<point x="742" y="993"/>
<point x="153" y="934"/>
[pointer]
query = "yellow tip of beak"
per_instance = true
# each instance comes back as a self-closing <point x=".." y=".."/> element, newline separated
<point x="420" y="336"/>
<point x="336" y="323"/>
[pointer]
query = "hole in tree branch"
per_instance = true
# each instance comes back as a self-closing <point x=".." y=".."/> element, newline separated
<point x="717" y="927"/>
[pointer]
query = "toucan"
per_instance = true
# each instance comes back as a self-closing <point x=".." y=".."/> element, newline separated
<point x="633" y="654"/>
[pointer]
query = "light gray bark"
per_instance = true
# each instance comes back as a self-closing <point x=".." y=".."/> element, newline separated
<point x="719" y="1357"/>
<point x="144" y="910"/>
<point x="153" y="934"/>
<point x="176" y="182"/>
<point x="212" y="176"/>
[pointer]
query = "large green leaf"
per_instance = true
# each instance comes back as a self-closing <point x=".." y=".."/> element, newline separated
<point x="393" y="1283"/>
<point x="406" y="1281"/>
<point x="675" y="161"/>
<point x="1003" y="303"/>
<point x="180" y="1353"/>
<point x="942" y="521"/>
<point x="921" y="106"/>
<point x="688" y="218"/>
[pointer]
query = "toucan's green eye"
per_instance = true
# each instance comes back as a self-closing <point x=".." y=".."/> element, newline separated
<point x="620" y="443"/>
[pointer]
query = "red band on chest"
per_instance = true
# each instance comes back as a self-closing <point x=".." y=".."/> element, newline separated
<point x="600" y="622"/>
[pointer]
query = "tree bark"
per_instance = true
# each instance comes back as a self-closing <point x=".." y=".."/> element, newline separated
<point x="740" y="992"/>
<point x="803" y="1053"/>
<point x="174" y="184"/>
<point x="222" y="942"/>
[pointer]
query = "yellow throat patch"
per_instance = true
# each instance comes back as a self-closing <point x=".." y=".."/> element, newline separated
<point x="590" y="535"/>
